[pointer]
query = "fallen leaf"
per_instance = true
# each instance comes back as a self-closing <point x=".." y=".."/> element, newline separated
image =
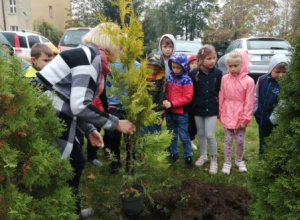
<point x="91" y="177"/>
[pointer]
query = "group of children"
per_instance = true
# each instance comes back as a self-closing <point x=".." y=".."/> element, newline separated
<point x="190" y="93"/>
<point x="197" y="93"/>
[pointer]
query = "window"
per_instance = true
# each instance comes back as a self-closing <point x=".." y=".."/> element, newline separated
<point x="32" y="39"/>
<point x="12" y="7"/>
<point x="50" y="11"/>
<point x="14" y="28"/>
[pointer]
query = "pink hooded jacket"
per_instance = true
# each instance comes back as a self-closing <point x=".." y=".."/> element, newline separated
<point x="236" y="97"/>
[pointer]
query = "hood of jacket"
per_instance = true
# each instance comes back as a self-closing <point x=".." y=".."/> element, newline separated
<point x="245" y="64"/>
<point x="181" y="59"/>
<point x="172" y="39"/>
<point x="276" y="59"/>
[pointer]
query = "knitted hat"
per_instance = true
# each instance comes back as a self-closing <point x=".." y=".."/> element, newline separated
<point x="192" y="58"/>
<point x="156" y="58"/>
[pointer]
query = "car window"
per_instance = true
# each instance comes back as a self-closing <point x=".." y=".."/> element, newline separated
<point x="23" y="42"/>
<point x="32" y="39"/>
<point x="234" y="45"/>
<point x="271" y="44"/>
<point x="73" y="37"/>
<point x="44" y="40"/>
<point x="10" y="37"/>
<point x="3" y="40"/>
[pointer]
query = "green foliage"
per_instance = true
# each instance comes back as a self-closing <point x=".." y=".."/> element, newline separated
<point x="275" y="180"/>
<point x="33" y="178"/>
<point x="47" y="30"/>
<point x="137" y="102"/>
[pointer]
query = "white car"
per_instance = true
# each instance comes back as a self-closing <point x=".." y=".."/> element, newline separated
<point x="260" y="50"/>
<point x="187" y="47"/>
<point x="22" y="41"/>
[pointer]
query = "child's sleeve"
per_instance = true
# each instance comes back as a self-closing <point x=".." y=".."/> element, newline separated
<point x="221" y="98"/>
<point x="249" y="102"/>
<point x="256" y="96"/>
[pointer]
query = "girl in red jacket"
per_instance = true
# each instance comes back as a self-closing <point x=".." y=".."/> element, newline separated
<point x="236" y="101"/>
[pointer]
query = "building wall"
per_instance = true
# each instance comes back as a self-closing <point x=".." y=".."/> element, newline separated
<point x="28" y="11"/>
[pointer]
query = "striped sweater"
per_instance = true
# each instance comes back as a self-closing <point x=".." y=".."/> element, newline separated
<point x="71" y="80"/>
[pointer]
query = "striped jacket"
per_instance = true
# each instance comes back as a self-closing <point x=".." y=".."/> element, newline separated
<point x="71" y="80"/>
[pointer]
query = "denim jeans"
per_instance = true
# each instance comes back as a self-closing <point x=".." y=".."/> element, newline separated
<point x="178" y="124"/>
<point x="151" y="129"/>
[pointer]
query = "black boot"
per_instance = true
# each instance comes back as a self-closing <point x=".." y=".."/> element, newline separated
<point x="189" y="163"/>
<point x="114" y="167"/>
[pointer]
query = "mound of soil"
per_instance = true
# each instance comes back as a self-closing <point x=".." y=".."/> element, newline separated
<point x="196" y="200"/>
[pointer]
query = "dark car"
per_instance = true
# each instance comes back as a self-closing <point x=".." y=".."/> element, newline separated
<point x="5" y="45"/>
<point x="260" y="50"/>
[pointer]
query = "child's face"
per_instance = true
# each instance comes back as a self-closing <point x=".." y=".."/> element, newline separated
<point x="209" y="61"/>
<point x="234" y="66"/>
<point x="193" y="64"/>
<point x="155" y="68"/>
<point x="41" y="61"/>
<point x="176" y="68"/>
<point x="278" y="72"/>
<point x="167" y="49"/>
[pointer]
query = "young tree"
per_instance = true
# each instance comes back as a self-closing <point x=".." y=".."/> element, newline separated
<point x="274" y="179"/>
<point x="33" y="178"/>
<point x="131" y="81"/>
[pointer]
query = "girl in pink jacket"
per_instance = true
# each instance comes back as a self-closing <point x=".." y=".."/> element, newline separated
<point x="236" y="101"/>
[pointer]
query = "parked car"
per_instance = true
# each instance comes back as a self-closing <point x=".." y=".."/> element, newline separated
<point x="72" y="38"/>
<point x="6" y="47"/>
<point x="22" y="41"/>
<point x="187" y="47"/>
<point x="260" y="50"/>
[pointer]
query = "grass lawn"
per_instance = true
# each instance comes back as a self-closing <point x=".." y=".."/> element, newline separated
<point x="102" y="193"/>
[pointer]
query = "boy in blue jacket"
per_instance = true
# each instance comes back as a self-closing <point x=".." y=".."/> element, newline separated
<point x="266" y="97"/>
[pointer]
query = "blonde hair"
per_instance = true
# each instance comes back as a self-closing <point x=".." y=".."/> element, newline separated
<point x="234" y="55"/>
<point x="204" y="51"/>
<point x="100" y="36"/>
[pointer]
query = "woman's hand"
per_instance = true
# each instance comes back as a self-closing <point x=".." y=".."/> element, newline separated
<point x="95" y="139"/>
<point x="126" y="127"/>
<point x="167" y="104"/>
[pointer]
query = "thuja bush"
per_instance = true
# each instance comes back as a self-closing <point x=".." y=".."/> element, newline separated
<point x="275" y="179"/>
<point x="136" y="102"/>
<point x="33" y="178"/>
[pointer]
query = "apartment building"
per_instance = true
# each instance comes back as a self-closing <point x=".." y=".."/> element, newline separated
<point x="17" y="15"/>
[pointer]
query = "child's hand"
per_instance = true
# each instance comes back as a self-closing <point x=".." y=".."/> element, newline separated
<point x="159" y="121"/>
<point x="242" y="125"/>
<point x="167" y="104"/>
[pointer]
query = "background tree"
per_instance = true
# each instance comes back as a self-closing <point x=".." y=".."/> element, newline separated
<point x="33" y="178"/>
<point x="241" y="18"/>
<point x="47" y="30"/>
<point x="274" y="180"/>
<point x="85" y="13"/>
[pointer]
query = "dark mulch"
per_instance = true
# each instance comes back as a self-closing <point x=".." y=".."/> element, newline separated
<point x="196" y="200"/>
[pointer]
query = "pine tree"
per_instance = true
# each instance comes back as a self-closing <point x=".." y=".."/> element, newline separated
<point x="137" y="103"/>
<point x="33" y="178"/>
<point x="275" y="179"/>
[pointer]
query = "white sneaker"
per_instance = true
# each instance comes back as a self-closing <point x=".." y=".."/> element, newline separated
<point x="85" y="213"/>
<point x="213" y="169"/>
<point x="242" y="166"/>
<point x="194" y="147"/>
<point x="97" y="163"/>
<point x="201" y="161"/>
<point x="226" y="168"/>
